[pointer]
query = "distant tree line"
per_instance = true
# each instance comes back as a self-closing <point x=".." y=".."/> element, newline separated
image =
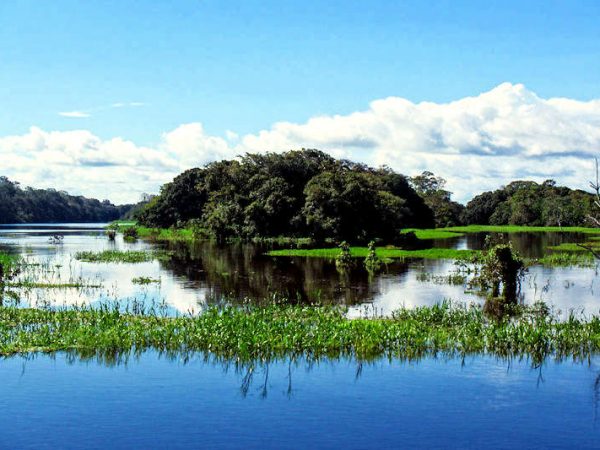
<point x="531" y="203"/>
<point x="309" y="193"/>
<point x="28" y="205"/>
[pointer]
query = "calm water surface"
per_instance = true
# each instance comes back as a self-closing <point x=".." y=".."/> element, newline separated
<point x="157" y="402"/>
<point x="202" y="273"/>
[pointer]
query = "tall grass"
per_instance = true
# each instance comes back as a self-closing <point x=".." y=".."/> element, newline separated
<point x="281" y="330"/>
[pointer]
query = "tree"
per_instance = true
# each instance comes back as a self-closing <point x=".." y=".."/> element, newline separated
<point x="431" y="189"/>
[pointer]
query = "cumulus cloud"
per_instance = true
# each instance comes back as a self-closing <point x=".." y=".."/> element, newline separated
<point x="476" y="143"/>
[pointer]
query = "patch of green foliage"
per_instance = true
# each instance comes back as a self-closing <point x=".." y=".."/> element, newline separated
<point x="279" y="330"/>
<point x="27" y="284"/>
<point x="145" y="280"/>
<point x="566" y="259"/>
<point x="519" y="229"/>
<point x="433" y="233"/>
<point x="531" y="203"/>
<point x="116" y="256"/>
<point x="304" y="193"/>
<point x="381" y="252"/>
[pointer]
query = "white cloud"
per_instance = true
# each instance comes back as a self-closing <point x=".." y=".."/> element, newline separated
<point x="477" y="143"/>
<point x="74" y="114"/>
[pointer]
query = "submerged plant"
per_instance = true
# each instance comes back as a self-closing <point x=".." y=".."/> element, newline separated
<point x="372" y="262"/>
<point x="500" y="268"/>
<point x="343" y="261"/>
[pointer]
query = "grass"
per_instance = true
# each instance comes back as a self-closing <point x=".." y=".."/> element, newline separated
<point x="44" y="285"/>
<point x="117" y="256"/>
<point x="8" y="262"/>
<point x="145" y="280"/>
<point x="567" y="259"/>
<point x="279" y="330"/>
<point x="432" y="233"/>
<point x="382" y="252"/>
<point x="451" y="232"/>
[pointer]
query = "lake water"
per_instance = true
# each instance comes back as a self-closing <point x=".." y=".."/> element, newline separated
<point x="199" y="274"/>
<point x="154" y="401"/>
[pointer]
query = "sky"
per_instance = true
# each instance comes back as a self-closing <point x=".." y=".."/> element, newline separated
<point x="111" y="99"/>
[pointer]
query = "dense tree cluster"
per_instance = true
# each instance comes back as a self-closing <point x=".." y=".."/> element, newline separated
<point x="27" y="205"/>
<point x="447" y="213"/>
<point x="530" y="203"/>
<point x="297" y="193"/>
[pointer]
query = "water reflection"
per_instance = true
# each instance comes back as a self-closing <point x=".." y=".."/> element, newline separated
<point x="202" y="273"/>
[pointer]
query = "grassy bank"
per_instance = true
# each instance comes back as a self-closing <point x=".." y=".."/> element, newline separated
<point x="382" y="252"/>
<point x="277" y="330"/>
<point x="450" y="232"/>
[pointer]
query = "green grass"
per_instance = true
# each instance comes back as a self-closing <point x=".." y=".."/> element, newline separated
<point x="382" y="252"/>
<point x="451" y="232"/>
<point x="116" y="256"/>
<point x="566" y="259"/>
<point x="519" y="229"/>
<point x="8" y="262"/>
<point x="279" y="330"/>
<point x="432" y="233"/>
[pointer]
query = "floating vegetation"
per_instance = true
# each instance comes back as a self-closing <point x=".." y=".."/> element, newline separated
<point x="381" y="252"/>
<point x="281" y="330"/>
<point x="44" y="285"/>
<point x="145" y="280"/>
<point x="455" y="279"/>
<point x="566" y="259"/>
<point x="117" y="256"/>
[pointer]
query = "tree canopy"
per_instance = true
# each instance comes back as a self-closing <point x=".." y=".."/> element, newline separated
<point x="531" y="203"/>
<point x="296" y="193"/>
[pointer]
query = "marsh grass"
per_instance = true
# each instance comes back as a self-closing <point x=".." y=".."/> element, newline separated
<point x="381" y="252"/>
<point x="117" y="256"/>
<point x="279" y="330"/>
<point x="452" y="232"/>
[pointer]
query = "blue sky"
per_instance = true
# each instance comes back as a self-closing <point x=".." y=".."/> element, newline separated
<point x="139" y="69"/>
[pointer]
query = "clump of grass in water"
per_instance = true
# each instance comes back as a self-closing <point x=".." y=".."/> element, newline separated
<point x="145" y="280"/>
<point x="116" y="256"/>
<point x="382" y="252"/>
<point x="279" y="330"/>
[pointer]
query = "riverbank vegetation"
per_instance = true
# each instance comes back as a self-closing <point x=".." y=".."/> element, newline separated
<point x="277" y="330"/>
<point x="309" y="194"/>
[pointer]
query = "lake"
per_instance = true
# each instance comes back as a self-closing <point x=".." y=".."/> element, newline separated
<point x="158" y="400"/>
<point x="203" y="273"/>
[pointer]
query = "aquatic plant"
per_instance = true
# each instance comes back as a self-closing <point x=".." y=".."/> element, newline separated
<point x="382" y="252"/>
<point x="343" y="260"/>
<point x="280" y="330"/>
<point x="500" y="266"/>
<point x="130" y="233"/>
<point x="372" y="262"/>
<point x="117" y="256"/>
<point x="145" y="280"/>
